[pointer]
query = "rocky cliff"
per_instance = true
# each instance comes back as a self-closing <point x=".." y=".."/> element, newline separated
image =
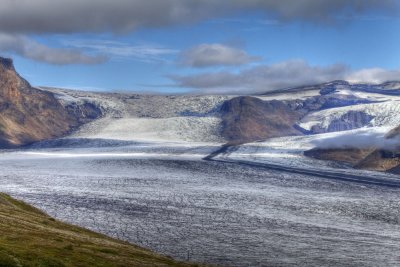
<point x="27" y="114"/>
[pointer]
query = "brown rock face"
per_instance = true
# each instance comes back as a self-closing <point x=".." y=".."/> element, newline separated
<point x="351" y="156"/>
<point x="247" y="119"/>
<point x="383" y="159"/>
<point x="28" y="114"/>
<point x="367" y="158"/>
<point x="380" y="160"/>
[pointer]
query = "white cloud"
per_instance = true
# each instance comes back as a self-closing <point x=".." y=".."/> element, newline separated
<point x="361" y="138"/>
<point x="113" y="49"/>
<point x="264" y="78"/>
<point x="208" y="55"/>
<point x="374" y="75"/>
<point x="31" y="49"/>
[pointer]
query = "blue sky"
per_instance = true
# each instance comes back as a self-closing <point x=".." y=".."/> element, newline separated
<point x="243" y="52"/>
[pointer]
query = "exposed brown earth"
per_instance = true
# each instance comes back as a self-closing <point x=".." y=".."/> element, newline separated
<point x="27" y="114"/>
<point x="380" y="160"/>
<point x="247" y="119"/>
<point x="351" y="156"/>
<point x="383" y="159"/>
<point x="368" y="158"/>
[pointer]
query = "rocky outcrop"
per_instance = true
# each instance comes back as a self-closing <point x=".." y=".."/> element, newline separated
<point x="380" y="160"/>
<point x="387" y="159"/>
<point x="351" y="156"/>
<point x="28" y="114"/>
<point x="349" y="121"/>
<point x="83" y="112"/>
<point x="247" y="119"/>
<point x="327" y="101"/>
<point x="376" y="159"/>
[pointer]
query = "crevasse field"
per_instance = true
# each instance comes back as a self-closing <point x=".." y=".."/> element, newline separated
<point x="225" y="211"/>
<point x="138" y="174"/>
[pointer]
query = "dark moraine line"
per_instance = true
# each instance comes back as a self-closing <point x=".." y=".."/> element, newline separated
<point x="329" y="175"/>
<point x="393" y="183"/>
<point x="222" y="150"/>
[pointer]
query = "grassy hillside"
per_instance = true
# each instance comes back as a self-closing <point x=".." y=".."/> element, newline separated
<point x="31" y="238"/>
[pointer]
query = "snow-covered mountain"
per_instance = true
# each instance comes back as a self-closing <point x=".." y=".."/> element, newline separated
<point x="133" y="117"/>
<point x="330" y="107"/>
<point x="336" y="115"/>
<point x="321" y="117"/>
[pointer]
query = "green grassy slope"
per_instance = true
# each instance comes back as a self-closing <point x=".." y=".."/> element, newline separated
<point x="29" y="237"/>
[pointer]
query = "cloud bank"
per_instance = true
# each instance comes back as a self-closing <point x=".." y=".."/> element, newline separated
<point x="264" y="78"/>
<point x="374" y="75"/>
<point x="209" y="55"/>
<point x="67" y="16"/>
<point x="31" y="49"/>
<point x="19" y="18"/>
<point x="143" y="52"/>
<point x="359" y="139"/>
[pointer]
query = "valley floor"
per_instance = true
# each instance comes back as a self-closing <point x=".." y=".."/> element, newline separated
<point x="163" y="196"/>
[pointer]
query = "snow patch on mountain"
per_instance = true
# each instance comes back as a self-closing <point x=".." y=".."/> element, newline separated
<point x="130" y="117"/>
<point x="385" y="113"/>
<point x="290" y="96"/>
<point x="190" y="118"/>
<point x="188" y="129"/>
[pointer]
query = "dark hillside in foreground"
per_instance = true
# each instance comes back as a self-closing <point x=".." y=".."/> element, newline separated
<point x="31" y="238"/>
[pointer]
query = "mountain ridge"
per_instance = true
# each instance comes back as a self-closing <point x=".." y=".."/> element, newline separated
<point x="388" y="87"/>
<point x="28" y="114"/>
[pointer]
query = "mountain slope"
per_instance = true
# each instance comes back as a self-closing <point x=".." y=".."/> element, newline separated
<point x="367" y="157"/>
<point x="247" y="119"/>
<point x="311" y="110"/>
<point x="133" y="117"/>
<point x="31" y="238"/>
<point x="387" y="159"/>
<point x="28" y="114"/>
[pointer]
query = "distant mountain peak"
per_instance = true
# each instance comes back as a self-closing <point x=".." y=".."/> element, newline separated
<point x="338" y="82"/>
<point x="7" y="63"/>
<point x="391" y="85"/>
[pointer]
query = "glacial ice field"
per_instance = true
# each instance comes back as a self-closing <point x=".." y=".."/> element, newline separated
<point x="165" y="197"/>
